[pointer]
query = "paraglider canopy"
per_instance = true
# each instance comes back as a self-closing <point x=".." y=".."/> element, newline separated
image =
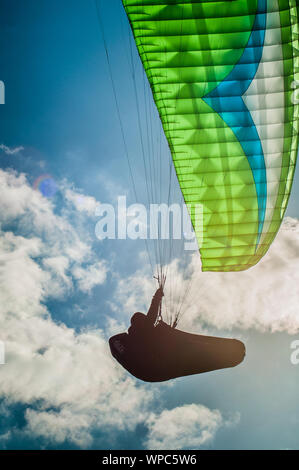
<point x="222" y="75"/>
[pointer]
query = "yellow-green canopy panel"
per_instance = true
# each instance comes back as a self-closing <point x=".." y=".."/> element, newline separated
<point x="222" y="75"/>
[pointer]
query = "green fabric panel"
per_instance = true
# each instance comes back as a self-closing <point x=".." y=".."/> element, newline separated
<point x="187" y="48"/>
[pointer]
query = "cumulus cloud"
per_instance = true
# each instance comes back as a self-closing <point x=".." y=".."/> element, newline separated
<point x="264" y="298"/>
<point x="185" y="427"/>
<point x="5" y="437"/>
<point x="68" y="380"/>
<point x="65" y="255"/>
<point x="89" y="277"/>
<point x="81" y="202"/>
<point x="134" y="293"/>
<point x="9" y="150"/>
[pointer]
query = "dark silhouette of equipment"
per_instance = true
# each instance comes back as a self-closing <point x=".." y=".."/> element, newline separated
<point x="154" y="351"/>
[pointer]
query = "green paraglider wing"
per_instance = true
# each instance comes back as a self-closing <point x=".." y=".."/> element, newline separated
<point x="223" y="75"/>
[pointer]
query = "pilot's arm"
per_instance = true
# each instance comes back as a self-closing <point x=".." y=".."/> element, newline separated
<point x="153" y="312"/>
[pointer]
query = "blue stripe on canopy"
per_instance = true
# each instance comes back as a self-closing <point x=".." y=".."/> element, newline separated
<point x="226" y="100"/>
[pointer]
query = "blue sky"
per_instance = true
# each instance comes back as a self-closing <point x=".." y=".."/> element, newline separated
<point x="64" y="292"/>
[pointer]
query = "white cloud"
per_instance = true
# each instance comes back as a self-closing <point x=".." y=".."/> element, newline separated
<point x="9" y="150"/>
<point x="69" y="381"/>
<point x="90" y="277"/>
<point x="81" y="202"/>
<point x="5" y="436"/>
<point x="264" y="298"/>
<point x="57" y="242"/>
<point x="134" y="293"/>
<point x="185" y="427"/>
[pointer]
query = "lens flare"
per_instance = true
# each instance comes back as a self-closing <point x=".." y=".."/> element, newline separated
<point x="46" y="185"/>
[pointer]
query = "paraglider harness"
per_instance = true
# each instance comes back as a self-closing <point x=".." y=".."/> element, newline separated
<point x="154" y="351"/>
